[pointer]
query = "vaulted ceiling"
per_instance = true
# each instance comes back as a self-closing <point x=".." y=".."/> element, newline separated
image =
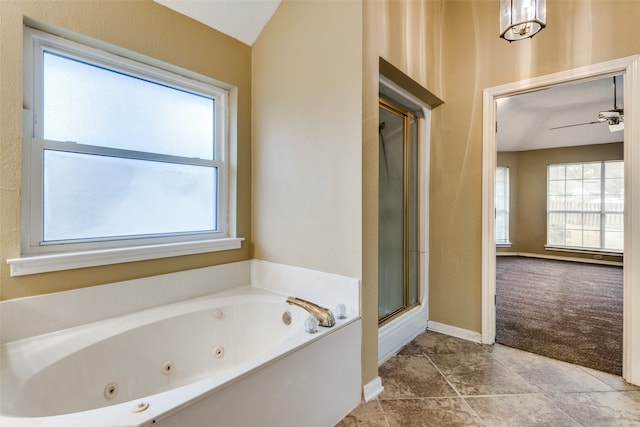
<point x="525" y="121"/>
<point x="241" y="19"/>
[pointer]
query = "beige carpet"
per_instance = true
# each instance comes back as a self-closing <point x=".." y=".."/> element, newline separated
<point x="565" y="310"/>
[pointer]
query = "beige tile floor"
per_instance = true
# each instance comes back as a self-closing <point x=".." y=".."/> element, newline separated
<point x="439" y="380"/>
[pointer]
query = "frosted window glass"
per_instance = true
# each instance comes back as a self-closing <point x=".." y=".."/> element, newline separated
<point x="90" y="196"/>
<point x="391" y="214"/>
<point x="91" y="105"/>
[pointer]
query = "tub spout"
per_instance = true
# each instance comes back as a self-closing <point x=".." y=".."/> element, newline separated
<point x="324" y="315"/>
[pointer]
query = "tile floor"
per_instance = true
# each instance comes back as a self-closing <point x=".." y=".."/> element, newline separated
<point x="438" y="380"/>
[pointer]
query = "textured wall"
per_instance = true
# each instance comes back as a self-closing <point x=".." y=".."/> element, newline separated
<point x="306" y="137"/>
<point x="307" y="97"/>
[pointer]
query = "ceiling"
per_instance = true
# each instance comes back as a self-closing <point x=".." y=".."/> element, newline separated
<point x="524" y="120"/>
<point x="241" y="19"/>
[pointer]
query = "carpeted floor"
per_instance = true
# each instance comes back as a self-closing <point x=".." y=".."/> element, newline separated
<point x="565" y="310"/>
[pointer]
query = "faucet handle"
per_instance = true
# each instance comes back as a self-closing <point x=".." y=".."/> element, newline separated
<point x="311" y="325"/>
<point x="341" y="311"/>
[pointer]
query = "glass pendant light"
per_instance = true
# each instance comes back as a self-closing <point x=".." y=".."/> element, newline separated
<point x="520" y="19"/>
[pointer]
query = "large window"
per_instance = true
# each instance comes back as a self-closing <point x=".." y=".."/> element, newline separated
<point x="119" y="153"/>
<point x="502" y="206"/>
<point x="585" y="205"/>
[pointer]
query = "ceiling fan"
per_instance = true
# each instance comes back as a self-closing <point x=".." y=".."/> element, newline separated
<point x="614" y="117"/>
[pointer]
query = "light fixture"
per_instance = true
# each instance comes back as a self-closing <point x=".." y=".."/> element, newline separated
<point x="520" y="19"/>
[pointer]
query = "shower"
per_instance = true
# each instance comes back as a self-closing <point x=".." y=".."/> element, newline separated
<point x="398" y="279"/>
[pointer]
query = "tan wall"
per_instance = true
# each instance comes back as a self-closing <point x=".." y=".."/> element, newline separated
<point x="148" y="29"/>
<point x="529" y="192"/>
<point x="307" y="98"/>
<point x="306" y="137"/>
<point x="408" y="35"/>
<point x="578" y="33"/>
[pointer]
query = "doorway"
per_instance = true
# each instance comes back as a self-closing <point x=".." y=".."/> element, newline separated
<point x="629" y="68"/>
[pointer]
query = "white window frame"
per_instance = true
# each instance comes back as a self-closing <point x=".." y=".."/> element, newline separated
<point x="38" y="256"/>
<point x="507" y="242"/>
<point x="602" y="212"/>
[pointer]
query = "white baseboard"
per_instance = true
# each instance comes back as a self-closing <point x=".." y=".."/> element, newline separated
<point x="560" y="258"/>
<point x="454" y="331"/>
<point x="372" y="389"/>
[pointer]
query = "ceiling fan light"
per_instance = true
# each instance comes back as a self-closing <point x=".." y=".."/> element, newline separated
<point x="605" y="115"/>
<point x="615" y="127"/>
<point x="521" y="19"/>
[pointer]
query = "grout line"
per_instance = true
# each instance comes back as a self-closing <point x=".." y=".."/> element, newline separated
<point x="555" y="404"/>
<point x="471" y="396"/>
<point x="507" y="366"/>
<point x="590" y="370"/>
<point x="544" y="394"/>
<point x="473" y="411"/>
<point x="421" y="398"/>
<point x="443" y="375"/>
<point x="386" y="420"/>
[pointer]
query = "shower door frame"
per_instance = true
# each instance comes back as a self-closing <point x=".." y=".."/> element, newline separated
<point x="399" y="331"/>
<point x="407" y="116"/>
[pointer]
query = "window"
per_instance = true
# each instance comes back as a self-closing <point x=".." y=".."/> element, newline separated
<point x="119" y="153"/>
<point x="502" y="205"/>
<point x="585" y="205"/>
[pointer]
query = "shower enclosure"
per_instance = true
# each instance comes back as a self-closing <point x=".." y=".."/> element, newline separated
<point x="398" y="211"/>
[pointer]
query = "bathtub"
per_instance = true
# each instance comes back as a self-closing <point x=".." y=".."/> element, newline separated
<point x="240" y="357"/>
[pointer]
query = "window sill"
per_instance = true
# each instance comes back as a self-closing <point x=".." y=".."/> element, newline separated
<point x="582" y="251"/>
<point x="67" y="261"/>
<point x="503" y="245"/>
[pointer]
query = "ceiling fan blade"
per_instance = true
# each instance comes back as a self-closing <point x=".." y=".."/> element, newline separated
<point x="577" y="124"/>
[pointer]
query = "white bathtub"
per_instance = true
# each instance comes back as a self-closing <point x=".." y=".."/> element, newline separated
<point x="225" y="359"/>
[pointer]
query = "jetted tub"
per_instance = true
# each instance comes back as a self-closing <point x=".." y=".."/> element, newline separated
<point x="236" y="358"/>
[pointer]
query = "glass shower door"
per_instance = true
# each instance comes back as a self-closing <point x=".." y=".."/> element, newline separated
<point x="398" y="255"/>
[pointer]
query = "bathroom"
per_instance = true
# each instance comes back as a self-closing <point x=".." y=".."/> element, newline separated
<point x="307" y="132"/>
<point x="308" y="224"/>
